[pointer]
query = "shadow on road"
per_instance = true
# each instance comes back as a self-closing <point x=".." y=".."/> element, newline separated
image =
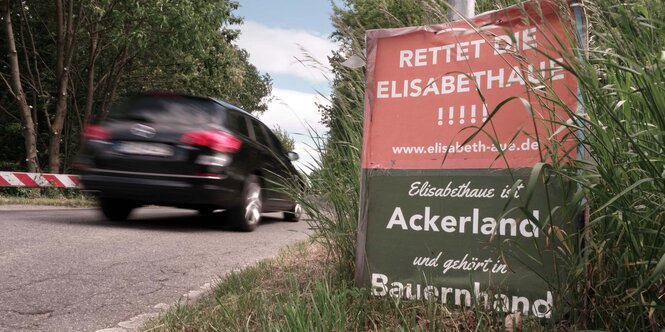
<point x="172" y="220"/>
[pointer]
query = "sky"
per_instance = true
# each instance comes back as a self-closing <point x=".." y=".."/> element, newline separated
<point x="289" y="40"/>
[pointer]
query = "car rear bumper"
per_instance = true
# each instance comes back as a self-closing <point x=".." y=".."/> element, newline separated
<point x="164" y="189"/>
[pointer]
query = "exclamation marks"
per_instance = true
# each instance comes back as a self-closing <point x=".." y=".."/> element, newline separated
<point x="462" y="113"/>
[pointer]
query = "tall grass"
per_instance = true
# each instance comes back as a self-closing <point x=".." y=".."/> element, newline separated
<point x="332" y="202"/>
<point x="298" y="291"/>
<point x="622" y="283"/>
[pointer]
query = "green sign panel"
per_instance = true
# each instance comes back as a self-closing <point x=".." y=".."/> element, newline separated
<point x="466" y="237"/>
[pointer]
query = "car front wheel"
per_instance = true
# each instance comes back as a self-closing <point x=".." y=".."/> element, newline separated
<point x="294" y="214"/>
<point x="115" y="209"/>
<point x="248" y="215"/>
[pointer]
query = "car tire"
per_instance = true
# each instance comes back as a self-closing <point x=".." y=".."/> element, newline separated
<point x="247" y="215"/>
<point x="294" y="214"/>
<point x="115" y="209"/>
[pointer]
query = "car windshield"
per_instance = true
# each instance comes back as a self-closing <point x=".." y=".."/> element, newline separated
<point x="171" y="110"/>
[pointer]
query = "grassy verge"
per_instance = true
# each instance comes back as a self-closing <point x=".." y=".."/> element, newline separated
<point x="300" y="290"/>
<point x="45" y="196"/>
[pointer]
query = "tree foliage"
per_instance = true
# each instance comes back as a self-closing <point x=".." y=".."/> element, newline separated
<point x="76" y="58"/>
<point x="283" y="136"/>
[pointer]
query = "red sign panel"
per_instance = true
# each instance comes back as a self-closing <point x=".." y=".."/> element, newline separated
<point x="498" y="76"/>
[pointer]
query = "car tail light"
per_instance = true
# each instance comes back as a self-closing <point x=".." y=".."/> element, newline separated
<point x="96" y="132"/>
<point x="215" y="140"/>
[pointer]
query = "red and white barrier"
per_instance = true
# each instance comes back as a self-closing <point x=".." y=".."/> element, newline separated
<point x="20" y="179"/>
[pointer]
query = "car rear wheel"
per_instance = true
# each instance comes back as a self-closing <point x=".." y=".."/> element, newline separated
<point x="294" y="214"/>
<point x="115" y="209"/>
<point x="248" y="215"/>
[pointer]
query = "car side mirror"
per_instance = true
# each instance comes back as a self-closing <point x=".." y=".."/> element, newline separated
<point x="293" y="156"/>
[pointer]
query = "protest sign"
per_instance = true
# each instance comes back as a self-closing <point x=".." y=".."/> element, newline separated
<point x="456" y="116"/>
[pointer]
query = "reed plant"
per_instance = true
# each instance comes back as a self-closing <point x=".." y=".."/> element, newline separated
<point x="621" y="279"/>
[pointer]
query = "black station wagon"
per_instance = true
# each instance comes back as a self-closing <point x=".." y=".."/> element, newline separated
<point x="189" y="152"/>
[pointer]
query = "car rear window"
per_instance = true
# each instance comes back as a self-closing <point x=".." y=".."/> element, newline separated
<point x="174" y="110"/>
<point x="237" y="123"/>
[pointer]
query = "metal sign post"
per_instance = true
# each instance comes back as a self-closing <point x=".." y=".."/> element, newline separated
<point x="461" y="9"/>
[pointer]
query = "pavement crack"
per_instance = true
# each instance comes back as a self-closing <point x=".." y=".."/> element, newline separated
<point x="31" y="283"/>
<point x="37" y="312"/>
<point x="159" y="288"/>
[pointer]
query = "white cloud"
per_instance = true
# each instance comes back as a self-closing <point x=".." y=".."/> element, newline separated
<point x="279" y="51"/>
<point x="294" y="111"/>
<point x="309" y="156"/>
<point x="297" y="113"/>
<point x="303" y="57"/>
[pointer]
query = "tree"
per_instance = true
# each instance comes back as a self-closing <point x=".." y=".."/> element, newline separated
<point x="67" y="18"/>
<point x="16" y="89"/>
<point x="283" y="136"/>
<point x="74" y="59"/>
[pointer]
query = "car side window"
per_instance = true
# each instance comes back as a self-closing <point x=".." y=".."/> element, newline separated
<point x="237" y="123"/>
<point x="260" y="135"/>
<point x="276" y="144"/>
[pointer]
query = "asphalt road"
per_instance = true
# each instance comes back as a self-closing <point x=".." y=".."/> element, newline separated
<point x="69" y="270"/>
